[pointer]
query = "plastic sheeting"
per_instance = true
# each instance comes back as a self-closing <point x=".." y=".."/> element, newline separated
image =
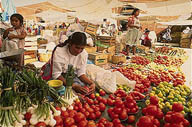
<point x="51" y="15"/>
<point x="169" y="8"/>
<point x="177" y="22"/>
<point x="89" y="10"/>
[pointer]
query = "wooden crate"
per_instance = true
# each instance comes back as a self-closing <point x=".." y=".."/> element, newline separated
<point x="188" y="35"/>
<point x="91" y="29"/>
<point x="106" y="39"/>
<point x="98" y="58"/>
<point x="185" y="40"/>
<point x="118" y="59"/>
<point x="109" y="49"/>
<point x="90" y="49"/>
<point x="83" y="23"/>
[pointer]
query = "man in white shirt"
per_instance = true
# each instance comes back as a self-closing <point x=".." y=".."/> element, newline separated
<point x="75" y="27"/>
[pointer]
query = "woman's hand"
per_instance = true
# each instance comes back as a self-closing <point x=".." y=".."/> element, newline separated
<point x="92" y="88"/>
<point x="80" y="89"/>
<point x="11" y="36"/>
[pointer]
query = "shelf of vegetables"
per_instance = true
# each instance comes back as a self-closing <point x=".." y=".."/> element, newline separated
<point x="159" y="99"/>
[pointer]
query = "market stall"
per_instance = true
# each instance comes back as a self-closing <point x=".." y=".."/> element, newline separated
<point x="149" y="89"/>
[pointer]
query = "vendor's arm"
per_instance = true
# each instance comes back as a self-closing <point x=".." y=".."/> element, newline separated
<point x="86" y="80"/>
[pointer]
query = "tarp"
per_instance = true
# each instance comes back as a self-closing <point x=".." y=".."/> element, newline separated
<point x="51" y="15"/>
<point x="177" y="22"/>
<point x="169" y="8"/>
<point x="89" y="10"/>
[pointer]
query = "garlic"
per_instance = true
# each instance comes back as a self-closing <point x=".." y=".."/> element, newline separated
<point x="52" y="122"/>
<point x="63" y="108"/>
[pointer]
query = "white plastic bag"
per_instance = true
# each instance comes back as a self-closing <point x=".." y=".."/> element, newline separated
<point x="121" y="79"/>
<point x="104" y="79"/>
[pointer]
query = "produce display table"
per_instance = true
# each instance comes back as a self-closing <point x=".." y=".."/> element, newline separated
<point x="161" y="97"/>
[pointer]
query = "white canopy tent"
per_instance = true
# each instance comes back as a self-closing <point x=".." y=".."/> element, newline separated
<point x="89" y="10"/>
<point x="170" y="8"/>
<point x="53" y="16"/>
<point x="177" y="22"/>
<point x="166" y="8"/>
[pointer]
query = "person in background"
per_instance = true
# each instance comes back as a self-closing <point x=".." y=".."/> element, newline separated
<point x="15" y="36"/>
<point x="167" y="35"/>
<point x="104" y="25"/>
<point x="72" y="52"/>
<point x="146" y="41"/>
<point x="133" y="34"/>
<point x="187" y="30"/>
<point x="113" y="30"/>
<point x="75" y="27"/>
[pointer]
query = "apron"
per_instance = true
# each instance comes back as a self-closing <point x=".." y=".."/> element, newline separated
<point x="133" y="34"/>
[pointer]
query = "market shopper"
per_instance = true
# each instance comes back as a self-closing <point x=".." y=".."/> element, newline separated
<point x="72" y="52"/>
<point x="146" y="41"/>
<point x="15" y="36"/>
<point x="133" y="34"/>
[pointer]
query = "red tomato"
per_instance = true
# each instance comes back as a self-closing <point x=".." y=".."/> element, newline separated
<point x="28" y="116"/>
<point x="116" y="121"/>
<point x="177" y="107"/>
<point x="118" y="102"/>
<point x="112" y="96"/>
<point x="90" y="101"/>
<point x="168" y="118"/>
<point x="86" y="114"/>
<point x="98" y="114"/>
<point x="72" y="113"/>
<point x="64" y="114"/>
<point x="79" y="116"/>
<point x="110" y="102"/>
<point x="69" y="121"/>
<point x="131" y="119"/>
<point x="156" y="122"/>
<point x="102" y="92"/>
<point x="104" y="101"/>
<point x="40" y="124"/>
<point x="154" y="100"/>
<point x="59" y="120"/>
<point x="92" y="116"/>
<point x="96" y="102"/>
<point x="100" y="125"/>
<point x="123" y="115"/>
<point x="74" y="126"/>
<point x="90" y="110"/>
<point x="82" y="123"/>
<point x="91" y="123"/>
<point x="109" y="124"/>
<point x="102" y="107"/>
<point x="92" y="96"/>
<point x="145" y="121"/>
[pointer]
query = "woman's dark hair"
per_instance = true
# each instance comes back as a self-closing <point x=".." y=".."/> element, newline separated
<point x="134" y="11"/>
<point x="77" y="38"/>
<point x="18" y="16"/>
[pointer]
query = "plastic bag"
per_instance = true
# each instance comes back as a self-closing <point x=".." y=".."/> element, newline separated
<point x="121" y="79"/>
<point x="103" y="79"/>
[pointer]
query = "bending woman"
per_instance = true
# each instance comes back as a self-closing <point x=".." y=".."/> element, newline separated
<point x="72" y="52"/>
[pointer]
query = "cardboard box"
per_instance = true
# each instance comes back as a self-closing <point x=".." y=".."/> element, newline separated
<point x="98" y="58"/>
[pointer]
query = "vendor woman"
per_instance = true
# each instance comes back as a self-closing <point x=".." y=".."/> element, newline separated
<point x="133" y="33"/>
<point x="72" y="52"/>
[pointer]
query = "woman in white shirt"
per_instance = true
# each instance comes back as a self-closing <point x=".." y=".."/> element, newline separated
<point x="72" y="52"/>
